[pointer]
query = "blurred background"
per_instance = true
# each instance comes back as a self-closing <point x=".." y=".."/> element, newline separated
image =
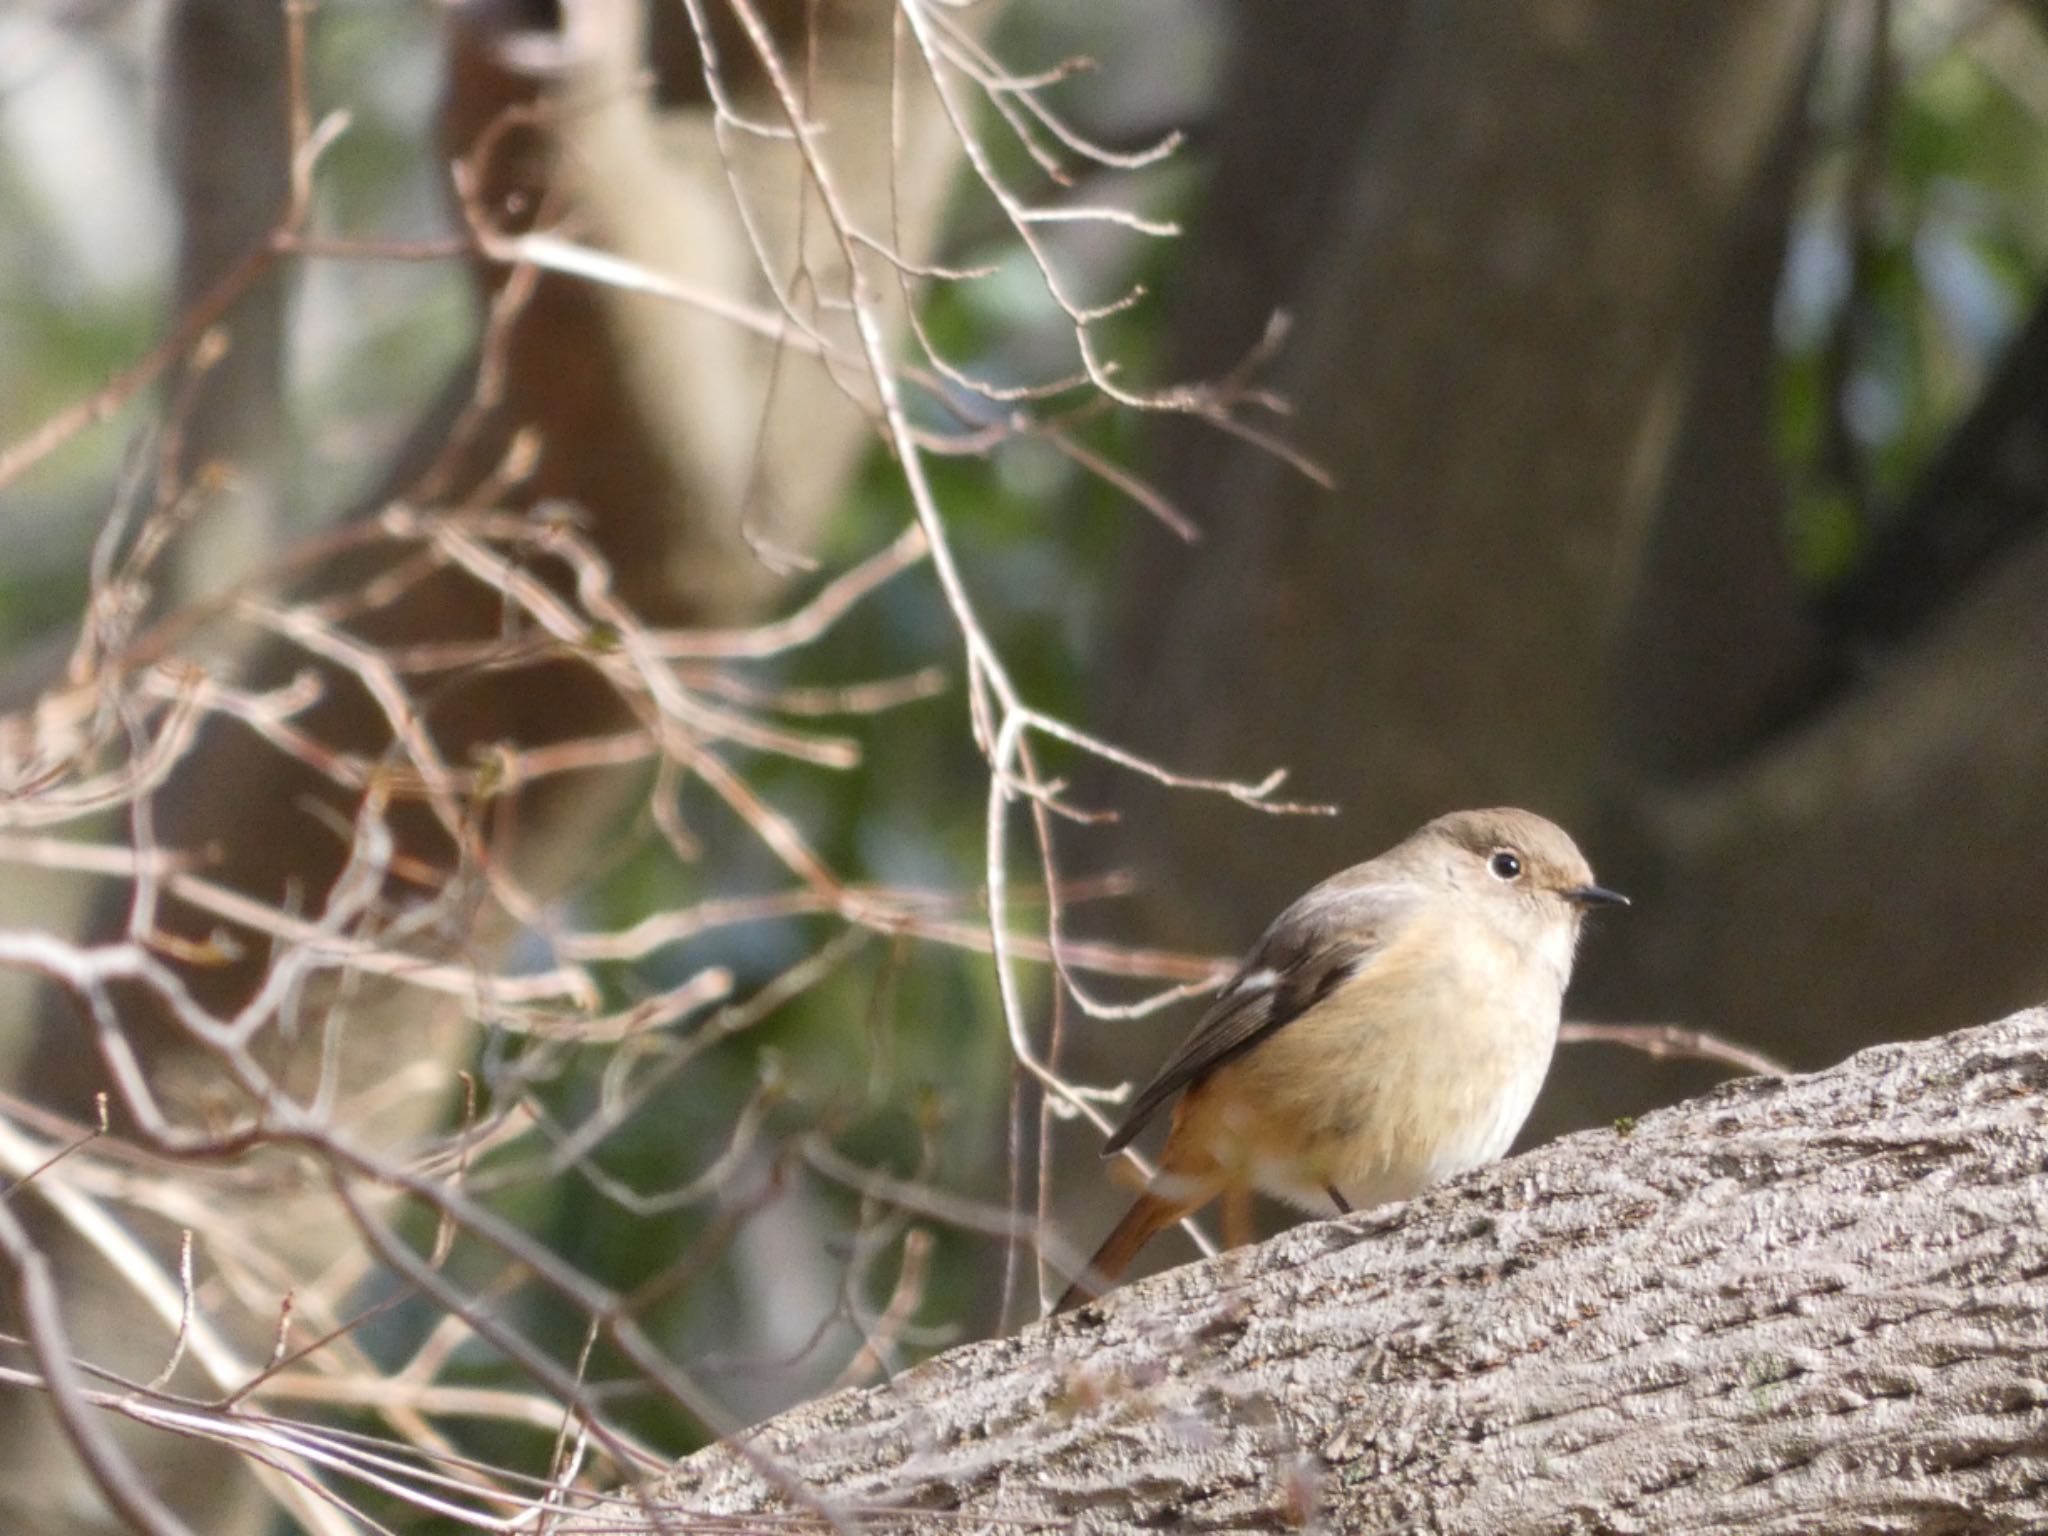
<point x="1665" y="449"/>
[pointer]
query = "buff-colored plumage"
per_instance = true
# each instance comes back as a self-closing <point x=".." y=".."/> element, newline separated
<point x="1391" y="1029"/>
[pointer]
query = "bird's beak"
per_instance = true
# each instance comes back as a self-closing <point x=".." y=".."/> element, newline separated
<point x="1593" y="896"/>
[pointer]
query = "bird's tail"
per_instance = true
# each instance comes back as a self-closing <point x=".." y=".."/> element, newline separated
<point x="1149" y="1215"/>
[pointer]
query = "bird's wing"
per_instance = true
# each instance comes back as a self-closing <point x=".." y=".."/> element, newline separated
<point x="1330" y="935"/>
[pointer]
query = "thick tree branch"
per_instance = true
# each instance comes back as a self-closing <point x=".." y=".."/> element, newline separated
<point x="1791" y="1305"/>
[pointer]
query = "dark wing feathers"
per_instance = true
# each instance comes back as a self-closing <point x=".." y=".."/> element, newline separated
<point x="1326" y="937"/>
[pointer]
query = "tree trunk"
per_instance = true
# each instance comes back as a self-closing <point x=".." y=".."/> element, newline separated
<point x="1493" y="353"/>
<point x="1792" y="1305"/>
<point x="1547" y="574"/>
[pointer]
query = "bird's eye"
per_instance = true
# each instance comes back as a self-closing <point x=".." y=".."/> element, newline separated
<point x="1505" y="866"/>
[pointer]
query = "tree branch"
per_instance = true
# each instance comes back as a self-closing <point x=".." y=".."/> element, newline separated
<point x="1792" y="1304"/>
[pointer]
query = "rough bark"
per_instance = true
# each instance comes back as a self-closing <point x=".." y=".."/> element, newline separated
<point x="1792" y="1305"/>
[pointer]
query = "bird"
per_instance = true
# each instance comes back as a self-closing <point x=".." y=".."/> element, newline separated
<point x="1390" y="1030"/>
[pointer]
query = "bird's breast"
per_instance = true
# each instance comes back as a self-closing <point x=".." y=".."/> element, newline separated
<point x="1423" y="1066"/>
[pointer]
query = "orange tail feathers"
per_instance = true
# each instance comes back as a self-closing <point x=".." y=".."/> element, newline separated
<point x="1149" y="1215"/>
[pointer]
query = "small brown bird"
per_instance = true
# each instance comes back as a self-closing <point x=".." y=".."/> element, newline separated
<point x="1391" y="1029"/>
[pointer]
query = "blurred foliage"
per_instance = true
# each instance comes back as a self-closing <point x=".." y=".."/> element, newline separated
<point x="1917" y="251"/>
